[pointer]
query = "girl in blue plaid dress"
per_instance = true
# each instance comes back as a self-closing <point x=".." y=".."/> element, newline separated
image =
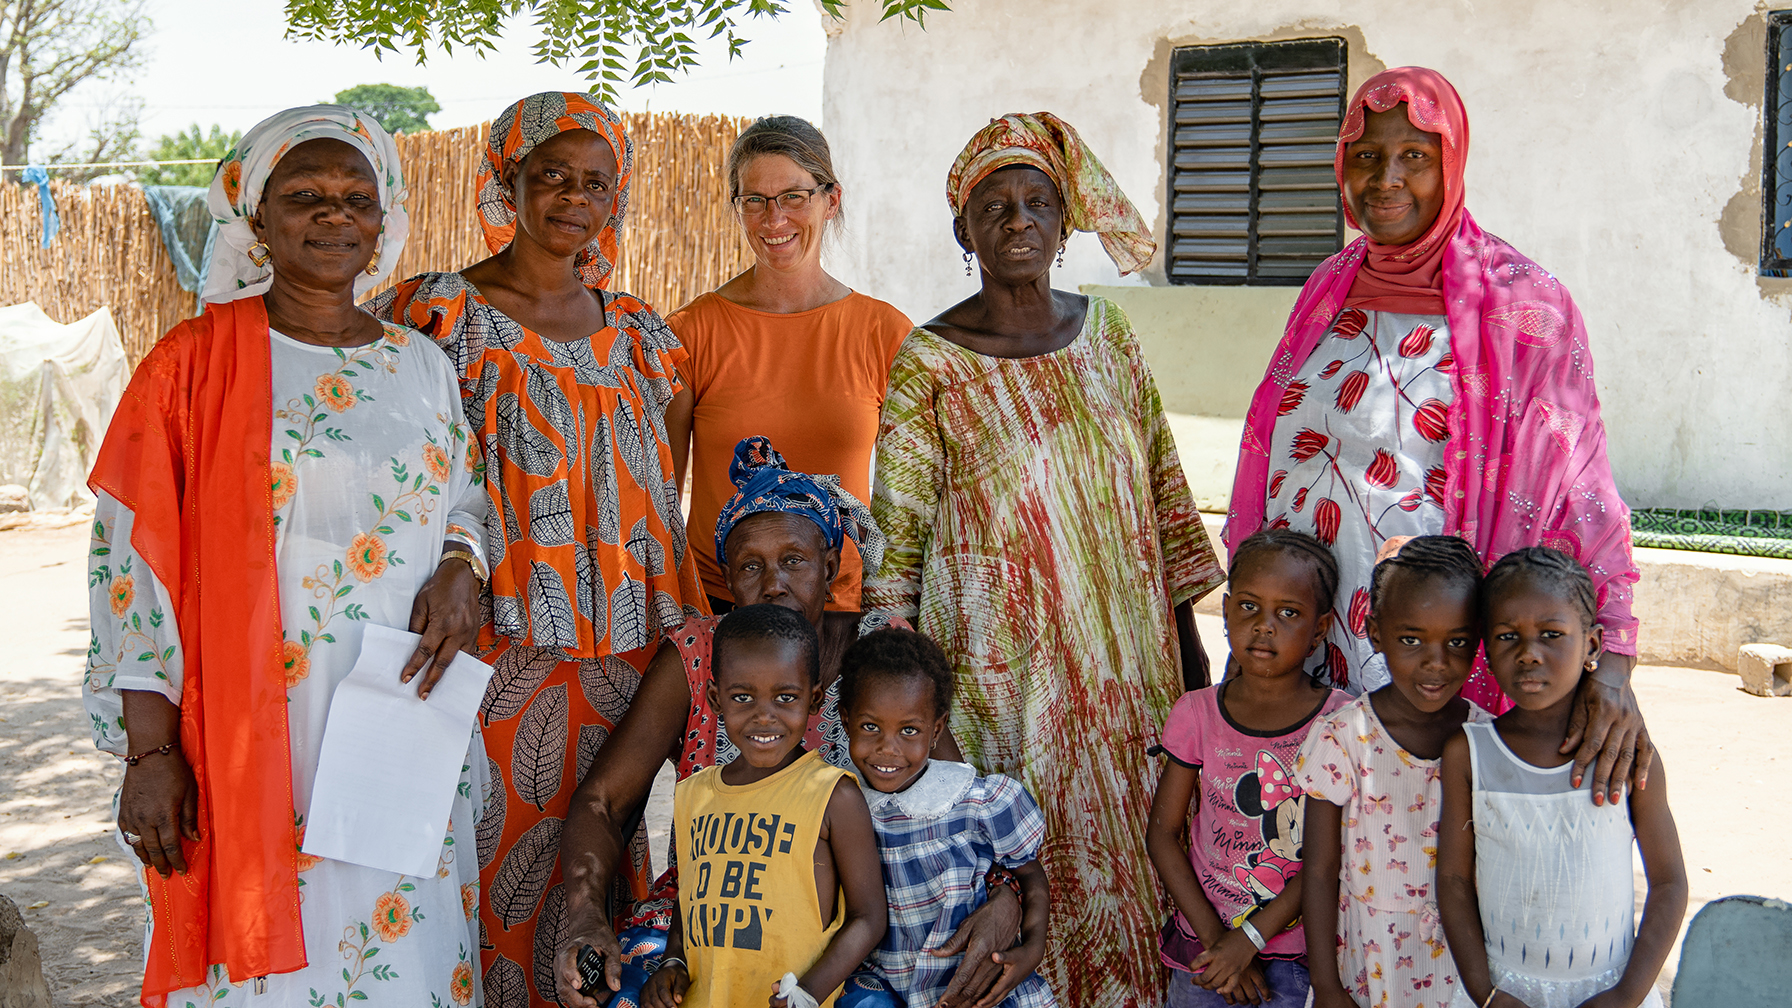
<point x="945" y="834"/>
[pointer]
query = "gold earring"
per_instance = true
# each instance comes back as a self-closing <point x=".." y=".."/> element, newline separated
<point x="262" y="258"/>
<point x="1592" y="666"/>
<point x="373" y="268"/>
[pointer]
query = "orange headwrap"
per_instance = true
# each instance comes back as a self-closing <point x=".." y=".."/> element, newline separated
<point x="528" y="124"/>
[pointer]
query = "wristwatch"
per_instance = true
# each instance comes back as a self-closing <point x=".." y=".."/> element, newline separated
<point x="472" y="561"/>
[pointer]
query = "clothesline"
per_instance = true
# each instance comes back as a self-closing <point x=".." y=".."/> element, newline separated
<point x="111" y="164"/>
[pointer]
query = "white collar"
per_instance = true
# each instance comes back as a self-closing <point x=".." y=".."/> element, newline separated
<point x="939" y="788"/>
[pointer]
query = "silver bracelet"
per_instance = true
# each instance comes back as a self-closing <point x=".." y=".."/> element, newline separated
<point x="669" y="960"/>
<point x="1251" y="932"/>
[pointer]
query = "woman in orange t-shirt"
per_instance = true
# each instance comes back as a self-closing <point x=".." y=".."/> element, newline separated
<point x="783" y="350"/>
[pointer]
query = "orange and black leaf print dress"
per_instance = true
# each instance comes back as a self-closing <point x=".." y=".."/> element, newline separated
<point x="589" y="568"/>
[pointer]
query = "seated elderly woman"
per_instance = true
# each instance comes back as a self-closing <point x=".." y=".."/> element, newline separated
<point x="1432" y="381"/>
<point x="778" y="539"/>
<point x="283" y="471"/>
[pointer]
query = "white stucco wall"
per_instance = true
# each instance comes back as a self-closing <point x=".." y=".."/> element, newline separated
<point x="1604" y="146"/>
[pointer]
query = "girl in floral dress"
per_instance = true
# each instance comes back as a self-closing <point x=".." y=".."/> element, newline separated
<point x="1370" y="772"/>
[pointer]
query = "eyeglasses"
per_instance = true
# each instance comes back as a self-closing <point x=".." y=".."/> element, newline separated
<point x="790" y="202"/>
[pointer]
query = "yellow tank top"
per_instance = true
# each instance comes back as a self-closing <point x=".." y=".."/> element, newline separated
<point x="746" y="880"/>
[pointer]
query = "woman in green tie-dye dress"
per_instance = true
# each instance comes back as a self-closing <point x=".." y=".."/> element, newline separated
<point x="1042" y="532"/>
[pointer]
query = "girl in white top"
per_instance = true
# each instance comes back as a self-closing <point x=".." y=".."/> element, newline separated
<point x="1542" y="881"/>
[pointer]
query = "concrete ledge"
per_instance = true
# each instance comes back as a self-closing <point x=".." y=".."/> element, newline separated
<point x="1700" y="608"/>
<point x="1696" y="609"/>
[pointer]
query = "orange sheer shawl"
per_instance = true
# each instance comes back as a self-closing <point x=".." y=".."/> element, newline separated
<point x="187" y="452"/>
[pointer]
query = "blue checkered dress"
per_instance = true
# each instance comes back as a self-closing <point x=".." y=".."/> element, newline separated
<point x="938" y="839"/>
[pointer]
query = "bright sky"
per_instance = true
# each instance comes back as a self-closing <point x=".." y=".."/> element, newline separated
<point x="235" y="69"/>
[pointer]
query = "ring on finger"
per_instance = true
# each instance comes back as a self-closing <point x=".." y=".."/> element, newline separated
<point x="131" y="838"/>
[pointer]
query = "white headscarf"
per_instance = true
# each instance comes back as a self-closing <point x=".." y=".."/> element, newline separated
<point x="236" y="194"/>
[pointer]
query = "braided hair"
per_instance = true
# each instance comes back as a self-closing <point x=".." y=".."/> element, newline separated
<point x="1300" y="544"/>
<point x="767" y="622"/>
<point x="1445" y="557"/>
<point x="897" y="654"/>
<point x="1548" y="568"/>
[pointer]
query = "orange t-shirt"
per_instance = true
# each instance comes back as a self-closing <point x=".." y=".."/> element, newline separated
<point x="812" y="382"/>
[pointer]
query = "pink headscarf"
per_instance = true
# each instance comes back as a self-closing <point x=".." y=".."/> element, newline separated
<point x="1409" y="278"/>
<point x="1525" y="463"/>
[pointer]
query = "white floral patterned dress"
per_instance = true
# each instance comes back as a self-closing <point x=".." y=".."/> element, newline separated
<point x="1358" y="458"/>
<point x="1391" y="951"/>
<point x="373" y="473"/>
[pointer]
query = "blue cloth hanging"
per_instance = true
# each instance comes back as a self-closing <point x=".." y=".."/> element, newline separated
<point x="188" y="230"/>
<point x="35" y="175"/>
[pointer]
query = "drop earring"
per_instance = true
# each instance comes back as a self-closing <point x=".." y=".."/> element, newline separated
<point x="1061" y="255"/>
<point x="260" y="258"/>
<point x="967" y="264"/>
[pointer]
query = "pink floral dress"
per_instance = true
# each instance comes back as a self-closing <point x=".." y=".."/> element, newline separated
<point x="1358" y="458"/>
<point x="1391" y="948"/>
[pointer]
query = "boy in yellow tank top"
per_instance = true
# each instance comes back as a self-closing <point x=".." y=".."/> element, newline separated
<point x="777" y="859"/>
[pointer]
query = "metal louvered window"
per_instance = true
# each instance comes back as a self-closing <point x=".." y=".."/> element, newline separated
<point x="1253" y="197"/>
<point x="1776" y="164"/>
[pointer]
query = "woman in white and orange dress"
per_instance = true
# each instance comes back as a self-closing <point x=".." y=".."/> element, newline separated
<point x="282" y="472"/>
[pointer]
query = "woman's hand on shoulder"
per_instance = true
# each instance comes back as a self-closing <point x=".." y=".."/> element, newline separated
<point x="446" y="613"/>
<point x="1606" y="731"/>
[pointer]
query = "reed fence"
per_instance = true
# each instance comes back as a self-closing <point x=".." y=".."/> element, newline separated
<point x="680" y="238"/>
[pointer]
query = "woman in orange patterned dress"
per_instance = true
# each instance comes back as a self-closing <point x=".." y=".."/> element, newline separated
<point x="565" y="385"/>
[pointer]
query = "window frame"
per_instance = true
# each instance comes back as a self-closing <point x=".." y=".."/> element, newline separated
<point x="1775" y="152"/>
<point x="1258" y="60"/>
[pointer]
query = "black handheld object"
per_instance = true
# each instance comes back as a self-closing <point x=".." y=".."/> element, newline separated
<point x="591" y="975"/>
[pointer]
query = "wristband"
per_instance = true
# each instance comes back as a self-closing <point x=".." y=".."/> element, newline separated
<point x="794" y="995"/>
<point x="674" y="960"/>
<point x="1000" y="876"/>
<point x="1490" y="996"/>
<point x="1256" y="936"/>
<point x="158" y="751"/>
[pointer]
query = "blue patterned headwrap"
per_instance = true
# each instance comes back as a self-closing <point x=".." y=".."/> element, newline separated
<point x="765" y="483"/>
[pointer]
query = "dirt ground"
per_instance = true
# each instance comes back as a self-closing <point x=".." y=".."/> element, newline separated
<point x="78" y="892"/>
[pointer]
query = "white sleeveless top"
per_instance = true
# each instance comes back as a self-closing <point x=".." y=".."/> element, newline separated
<point x="1553" y="877"/>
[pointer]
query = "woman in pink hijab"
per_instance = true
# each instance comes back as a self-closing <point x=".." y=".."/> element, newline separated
<point x="1433" y="380"/>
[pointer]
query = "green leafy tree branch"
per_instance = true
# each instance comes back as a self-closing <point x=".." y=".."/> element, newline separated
<point x="611" y="41"/>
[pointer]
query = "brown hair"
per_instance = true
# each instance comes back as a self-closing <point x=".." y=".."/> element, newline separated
<point x="789" y="136"/>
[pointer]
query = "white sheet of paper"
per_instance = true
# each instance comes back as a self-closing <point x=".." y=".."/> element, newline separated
<point x="391" y="812"/>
